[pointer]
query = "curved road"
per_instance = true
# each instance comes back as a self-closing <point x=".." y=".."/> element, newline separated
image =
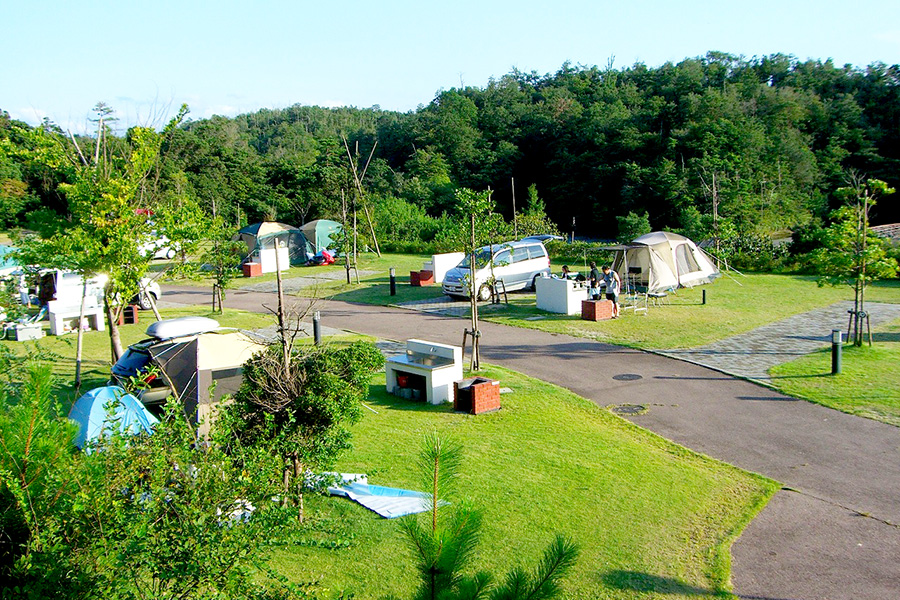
<point x="832" y="532"/>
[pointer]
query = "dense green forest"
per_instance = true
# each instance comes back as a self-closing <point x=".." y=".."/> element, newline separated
<point x="768" y="140"/>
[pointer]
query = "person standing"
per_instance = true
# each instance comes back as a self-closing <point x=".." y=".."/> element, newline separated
<point x="595" y="278"/>
<point x="613" y="285"/>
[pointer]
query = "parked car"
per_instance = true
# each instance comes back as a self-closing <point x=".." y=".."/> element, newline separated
<point x="158" y="248"/>
<point x="516" y="264"/>
<point x="148" y="288"/>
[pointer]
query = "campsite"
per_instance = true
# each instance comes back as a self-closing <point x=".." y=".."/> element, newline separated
<point x="621" y="332"/>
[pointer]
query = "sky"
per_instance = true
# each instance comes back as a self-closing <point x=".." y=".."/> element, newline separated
<point x="58" y="58"/>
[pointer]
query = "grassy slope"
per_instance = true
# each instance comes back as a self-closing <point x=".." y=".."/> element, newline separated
<point x="869" y="383"/>
<point x="648" y="515"/>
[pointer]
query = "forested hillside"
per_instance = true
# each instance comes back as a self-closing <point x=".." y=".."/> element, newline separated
<point x="769" y="139"/>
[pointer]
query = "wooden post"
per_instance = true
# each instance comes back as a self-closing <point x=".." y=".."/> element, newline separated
<point x="515" y="218"/>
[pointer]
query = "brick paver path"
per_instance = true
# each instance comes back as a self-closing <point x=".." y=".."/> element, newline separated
<point x="753" y="353"/>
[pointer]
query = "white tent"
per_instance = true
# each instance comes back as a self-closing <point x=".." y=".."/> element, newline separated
<point x="663" y="261"/>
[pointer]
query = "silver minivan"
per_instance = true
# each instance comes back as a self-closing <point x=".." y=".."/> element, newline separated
<point x="517" y="264"/>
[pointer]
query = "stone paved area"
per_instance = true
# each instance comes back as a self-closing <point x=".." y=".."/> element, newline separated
<point x="444" y="305"/>
<point x="294" y="284"/>
<point x="269" y="334"/>
<point x="752" y="354"/>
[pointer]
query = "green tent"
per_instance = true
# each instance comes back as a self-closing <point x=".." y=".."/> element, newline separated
<point x="321" y="233"/>
<point x="264" y="235"/>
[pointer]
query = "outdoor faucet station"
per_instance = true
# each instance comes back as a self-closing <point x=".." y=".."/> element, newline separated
<point x="426" y="371"/>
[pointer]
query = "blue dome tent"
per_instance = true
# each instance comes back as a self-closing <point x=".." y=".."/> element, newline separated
<point x="93" y="418"/>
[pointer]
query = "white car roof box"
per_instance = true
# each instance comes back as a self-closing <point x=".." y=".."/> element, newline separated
<point x="168" y="329"/>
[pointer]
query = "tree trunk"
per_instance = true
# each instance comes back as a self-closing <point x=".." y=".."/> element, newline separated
<point x="473" y="301"/>
<point x="115" y="340"/>
<point x="79" y="340"/>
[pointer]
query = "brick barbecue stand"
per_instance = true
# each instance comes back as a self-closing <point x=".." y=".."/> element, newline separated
<point x="421" y="278"/>
<point x="477" y="395"/>
<point x="596" y="310"/>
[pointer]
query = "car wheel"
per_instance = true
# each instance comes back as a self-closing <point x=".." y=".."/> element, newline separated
<point x="534" y="283"/>
<point x="144" y="301"/>
<point x="484" y="293"/>
<point x="170" y="254"/>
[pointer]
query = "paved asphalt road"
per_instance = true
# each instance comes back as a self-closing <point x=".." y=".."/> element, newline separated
<point x="832" y="533"/>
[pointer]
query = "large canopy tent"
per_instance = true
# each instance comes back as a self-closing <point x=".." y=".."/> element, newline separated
<point x="263" y="235"/>
<point x="321" y="234"/>
<point x="662" y="261"/>
<point x="107" y="409"/>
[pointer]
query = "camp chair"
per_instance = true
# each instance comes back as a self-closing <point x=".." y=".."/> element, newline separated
<point x="658" y="298"/>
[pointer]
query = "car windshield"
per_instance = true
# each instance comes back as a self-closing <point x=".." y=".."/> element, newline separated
<point x="482" y="258"/>
<point x="131" y="363"/>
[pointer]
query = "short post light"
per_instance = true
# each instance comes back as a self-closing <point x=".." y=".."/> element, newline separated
<point x="836" y="349"/>
<point x="317" y="328"/>
<point x="393" y="282"/>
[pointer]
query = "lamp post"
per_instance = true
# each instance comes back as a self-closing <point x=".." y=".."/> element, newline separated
<point x="836" y="349"/>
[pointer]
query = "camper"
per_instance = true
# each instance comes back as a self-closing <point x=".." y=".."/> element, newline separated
<point x="516" y="264"/>
<point x="663" y="261"/>
<point x="187" y="358"/>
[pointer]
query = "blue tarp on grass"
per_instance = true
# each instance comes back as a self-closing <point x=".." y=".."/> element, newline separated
<point x="388" y="502"/>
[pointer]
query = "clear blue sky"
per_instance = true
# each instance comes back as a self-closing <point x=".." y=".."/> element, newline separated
<point x="60" y="57"/>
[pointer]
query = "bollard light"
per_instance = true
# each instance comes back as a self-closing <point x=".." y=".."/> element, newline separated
<point x="317" y="328"/>
<point x="836" y="349"/>
<point x="393" y="282"/>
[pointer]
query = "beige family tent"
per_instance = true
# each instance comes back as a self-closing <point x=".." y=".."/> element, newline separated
<point x="662" y="261"/>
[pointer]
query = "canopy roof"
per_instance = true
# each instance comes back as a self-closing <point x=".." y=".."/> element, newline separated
<point x="266" y="228"/>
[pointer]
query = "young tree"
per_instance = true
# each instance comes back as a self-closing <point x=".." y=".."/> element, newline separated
<point x="474" y="206"/>
<point x="298" y="407"/>
<point x="104" y="196"/>
<point x="852" y="255"/>
<point x="443" y="545"/>
<point x="223" y="255"/>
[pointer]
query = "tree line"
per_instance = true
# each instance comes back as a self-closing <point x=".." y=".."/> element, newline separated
<point x="722" y="144"/>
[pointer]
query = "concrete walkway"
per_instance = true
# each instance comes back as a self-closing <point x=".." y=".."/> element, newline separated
<point x="832" y="533"/>
<point x="752" y="354"/>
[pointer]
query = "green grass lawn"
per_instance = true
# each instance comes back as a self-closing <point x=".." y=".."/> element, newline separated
<point x="652" y="519"/>
<point x="734" y="305"/>
<point x="869" y="383"/>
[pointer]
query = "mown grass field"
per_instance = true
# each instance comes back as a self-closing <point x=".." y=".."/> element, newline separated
<point x="868" y="385"/>
<point x="652" y="519"/>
